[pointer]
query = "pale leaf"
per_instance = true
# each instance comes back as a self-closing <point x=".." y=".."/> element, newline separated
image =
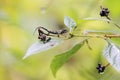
<point x="69" y="22"/>
<point x="85" y="32"/>
<point x="97" y="19"/>
<point x="112" y="54"/>
<point x="39" y="47"/>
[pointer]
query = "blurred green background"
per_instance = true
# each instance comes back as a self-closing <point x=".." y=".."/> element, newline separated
<point x="18" y="20"/>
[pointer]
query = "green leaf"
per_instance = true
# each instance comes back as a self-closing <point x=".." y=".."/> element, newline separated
<point x="112" y="54"/>
<point x="61" y="59"/>
<point x="70" y="23"/>
<point x="39" y="47"/>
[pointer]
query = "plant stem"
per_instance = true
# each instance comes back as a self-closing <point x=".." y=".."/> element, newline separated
<point x="107" y="65"/>
<point x="112" y="36"/>
<point x="116" y="25"/>
<point x="98" y="36"/>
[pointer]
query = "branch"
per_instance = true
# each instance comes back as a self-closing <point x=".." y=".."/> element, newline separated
<point x="98" y="36"/>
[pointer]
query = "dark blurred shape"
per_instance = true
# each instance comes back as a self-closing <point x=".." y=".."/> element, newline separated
<point x="105" y="12"/>
<point x="100" y="68"/>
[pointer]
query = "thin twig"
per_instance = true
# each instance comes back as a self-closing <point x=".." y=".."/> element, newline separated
<point x="116" y="25"/>
<point x="107" y="65"/>
<point x="99" y="36"/>
<point x="112" y="36"/>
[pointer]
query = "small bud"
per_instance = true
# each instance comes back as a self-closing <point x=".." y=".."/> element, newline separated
<point x="100" y="68"/>
<point x="105" y="13"/>
<point x="43" y="37"/>
<point x="49" y="38"/>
